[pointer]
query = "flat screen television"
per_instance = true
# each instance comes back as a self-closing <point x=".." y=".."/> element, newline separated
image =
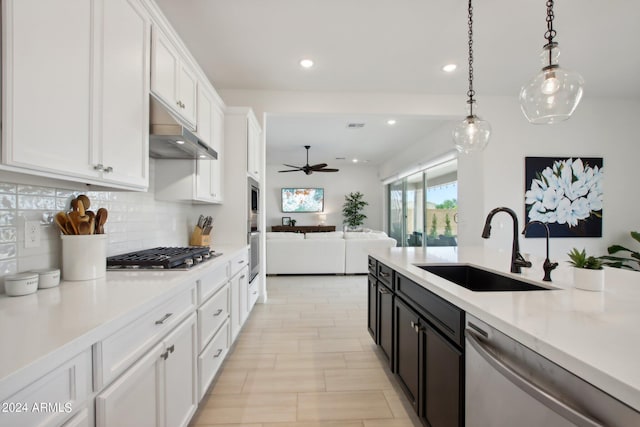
<point x="302" y="199"/>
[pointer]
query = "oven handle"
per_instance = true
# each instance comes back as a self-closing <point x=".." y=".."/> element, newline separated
<point x="542" y="396"/>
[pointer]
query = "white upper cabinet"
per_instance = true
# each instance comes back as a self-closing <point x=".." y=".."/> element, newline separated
<point x="172" y="80"/>
<point x="211" y="130"/>
<point x="123" y="102"/>
<point x="47" y="71"/>
<point x="217" y="168"/>
<point x="76" y="89"/>
<point x="254" y="148"/>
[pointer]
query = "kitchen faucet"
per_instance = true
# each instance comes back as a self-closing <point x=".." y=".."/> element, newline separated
<point x="547" y="265"/>
<point x="517" y="261"/>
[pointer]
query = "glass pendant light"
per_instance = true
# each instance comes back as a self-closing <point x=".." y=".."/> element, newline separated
<point x="552" y="95"/>
<point x="472" y="134"/>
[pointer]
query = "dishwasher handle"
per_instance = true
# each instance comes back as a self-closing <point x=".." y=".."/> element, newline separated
<point x="528" y="387"/>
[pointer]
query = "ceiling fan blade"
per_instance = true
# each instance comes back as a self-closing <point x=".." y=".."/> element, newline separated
<point x="318" y="166"/>
<point x="292" y="166"/>
<point x="291" y="170"/>
<point x="326" y="170"/>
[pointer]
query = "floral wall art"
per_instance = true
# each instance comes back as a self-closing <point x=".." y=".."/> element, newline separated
<point x="566" y="194"/>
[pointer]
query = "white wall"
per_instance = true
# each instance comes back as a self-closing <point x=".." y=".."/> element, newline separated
<point x="605" y="127"/>
<point x="336" y="186"/>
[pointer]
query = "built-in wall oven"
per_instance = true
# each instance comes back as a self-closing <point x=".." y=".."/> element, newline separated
<point x="254" y="255"/>
<point x="254" y="204"/>
<point x="253" y="237"/>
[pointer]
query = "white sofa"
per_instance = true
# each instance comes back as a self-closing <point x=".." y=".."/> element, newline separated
<point x="322" y="253"/>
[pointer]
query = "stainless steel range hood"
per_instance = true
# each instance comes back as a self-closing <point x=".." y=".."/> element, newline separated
<point x="169" y="139"/>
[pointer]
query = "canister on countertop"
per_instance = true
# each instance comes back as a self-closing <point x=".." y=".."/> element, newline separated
<point x="49" y="277"/>
<point x="21" y="284"/>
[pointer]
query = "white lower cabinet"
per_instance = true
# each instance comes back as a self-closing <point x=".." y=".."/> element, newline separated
<point x="52" y="399"/>
<point x="116" y="353"/>
<point x="211" y="315"/>
<point x="84" y="418"/>
<point x="212" y="356"/>
<point x="180" y="374"/>
<point x="238" y="287"/>
<point x="253" y="293"/>
<point x="159" y="390"/>
<point x="134" y="399"/>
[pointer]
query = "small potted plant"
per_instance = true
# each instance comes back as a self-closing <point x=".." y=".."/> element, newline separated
<point x="588" y="273"/>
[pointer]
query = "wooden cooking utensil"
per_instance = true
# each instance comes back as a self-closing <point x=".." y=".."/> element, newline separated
<point x="101" y="219"/>
<point x="74" y="219"/>
<point x="69" y="228"/>
<point x="84" y="228"/>
<point x="85" y="201"/>
<point x="71" y="222"/>
<point x="77" y="206"/>
<point x="61" y="221"/>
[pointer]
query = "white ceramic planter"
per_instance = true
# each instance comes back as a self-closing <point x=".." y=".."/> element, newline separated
<point x="588" y="280"/>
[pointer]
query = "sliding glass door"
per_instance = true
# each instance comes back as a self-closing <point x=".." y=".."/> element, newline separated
<point x="423" y="207"/>
<point x="396" y="211"/>
<point x="414" y="208"/>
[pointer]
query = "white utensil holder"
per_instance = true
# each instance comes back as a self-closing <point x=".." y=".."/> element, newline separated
<point x="84" y="257"/>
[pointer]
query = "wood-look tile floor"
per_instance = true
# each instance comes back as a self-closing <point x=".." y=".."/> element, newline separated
<point x="305" y="359"/>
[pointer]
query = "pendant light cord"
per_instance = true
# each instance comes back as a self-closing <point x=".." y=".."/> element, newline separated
<point x="471" y="93"/>
<point x="550" y="33"/>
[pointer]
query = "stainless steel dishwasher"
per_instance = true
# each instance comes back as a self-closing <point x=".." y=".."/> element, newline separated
<point x="508" y="384"/>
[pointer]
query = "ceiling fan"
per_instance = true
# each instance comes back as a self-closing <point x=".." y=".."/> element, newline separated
<point x="320" y="167"/>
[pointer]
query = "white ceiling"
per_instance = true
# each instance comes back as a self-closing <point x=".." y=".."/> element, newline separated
<point x="398" y="46"/>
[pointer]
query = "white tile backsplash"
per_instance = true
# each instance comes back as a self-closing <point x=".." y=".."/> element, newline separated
<point x="136" y="221"/>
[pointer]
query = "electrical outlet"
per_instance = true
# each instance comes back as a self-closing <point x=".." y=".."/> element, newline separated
<point x="31" y="234"/>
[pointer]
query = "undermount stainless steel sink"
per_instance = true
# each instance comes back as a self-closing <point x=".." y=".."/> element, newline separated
<point x="478" y="280"/>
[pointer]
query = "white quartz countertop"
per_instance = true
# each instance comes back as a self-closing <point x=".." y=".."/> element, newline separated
<point x="42" y="330"/>
<point x="595" y="335"/>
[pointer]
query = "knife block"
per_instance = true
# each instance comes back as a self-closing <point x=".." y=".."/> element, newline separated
<point x="199" y="239"/>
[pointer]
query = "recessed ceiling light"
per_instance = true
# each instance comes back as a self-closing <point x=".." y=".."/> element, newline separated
<point x="449" y="68"/>
<point x="355" y="160"/>
<point x="391" y="122"/>
<point x="179" y="142"/>
<point x="306" y="63"/>
<point x="202" y="156"/>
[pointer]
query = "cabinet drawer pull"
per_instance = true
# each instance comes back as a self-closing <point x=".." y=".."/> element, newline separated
<point x="165" y="355"/>
<point x="241" y="261"/>
<point x="218" y="353"/>
<point x="243" y="276"/>
<point x="383" y="274"/>
<point x="172" y="348"/>
<point x="382" y="290"/>
<point x="217" y="313"/>
<point x="98" y="167"/>
<point x="165" y="317"/>
<point x="108" y="169"/>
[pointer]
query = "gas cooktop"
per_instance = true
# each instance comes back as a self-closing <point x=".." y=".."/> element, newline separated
<point x="171" y="258"/>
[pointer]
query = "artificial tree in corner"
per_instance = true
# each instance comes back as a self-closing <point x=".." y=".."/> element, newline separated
<point x="352" y="209"/>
